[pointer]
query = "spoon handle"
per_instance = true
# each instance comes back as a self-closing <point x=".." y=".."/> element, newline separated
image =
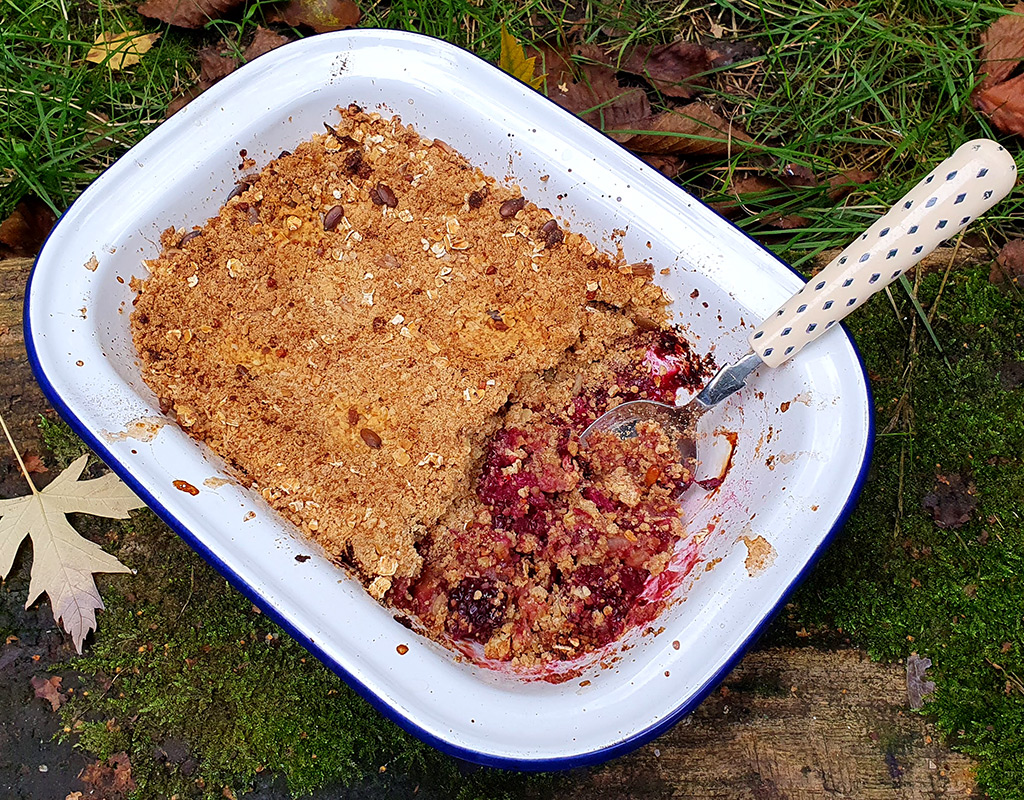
<point x="967" y="184"/>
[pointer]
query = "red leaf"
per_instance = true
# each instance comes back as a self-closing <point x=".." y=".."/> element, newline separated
<point x="320" y="15"/>
<point x="187" y="13"/>
<point x="185" y="98"/>
<point x="49" y="689"/>
<point x="673" y="68"/>
<point x="25" y="230"/>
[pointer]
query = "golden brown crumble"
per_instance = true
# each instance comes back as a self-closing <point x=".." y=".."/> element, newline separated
<point x="357" y="323"/>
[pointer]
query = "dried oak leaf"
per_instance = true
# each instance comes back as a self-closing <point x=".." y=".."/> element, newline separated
<point x="695" y="129"/>
<point x="111" y="780"/>
<point x="999" y="94"/>
<point x="582" y="81"/>
<point x="63" y="562"/>
<point x="675" y="69"/>
<point x="187" y="13"/>
<point x="1008" y="269"/>
<point x="218" y="61"/>
<point x="25" y="230"/>
<point x="952" y="501"/>
<point x="49" y="689"/>
<point x="320" y="15"/>
<point x="263" y="41"/>
<point x="215" y="62"/>
<point x="917" y="686"/>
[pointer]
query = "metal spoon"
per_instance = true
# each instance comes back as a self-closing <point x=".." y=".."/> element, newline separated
<point x="964" y="186"/>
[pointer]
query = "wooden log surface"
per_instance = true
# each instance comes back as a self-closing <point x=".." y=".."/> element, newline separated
<point x="793" y="723"/>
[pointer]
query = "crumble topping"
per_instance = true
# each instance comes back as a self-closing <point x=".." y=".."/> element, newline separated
<point x="400" y="354"/>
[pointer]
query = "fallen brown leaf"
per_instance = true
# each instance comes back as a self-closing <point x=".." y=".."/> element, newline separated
<point x="218" y="61"/>
<point x="320" y="15"/>
<point x="669" y="166"/>
<point x="847" y="181"/>
<point x="25" y="230"/>
<point x="952" y="502"/>
<point x="999" y="95"/>
<point x="263" y="41"/>
<point x="215" y="63"/>
<point x="34" y="464"/>
<point x="187" y="13"/>
<point x="49" y="689"/>
<point x="586" y="86"/>
<point x="798" y="175"/>
<point x="1002" y="47"/>
<point x="1004" y="105"/>
<point x="694" y="129"/>
<point x="1008" y="269"/>
<point x="111" y="780"/>
<point x="674" y="69"/>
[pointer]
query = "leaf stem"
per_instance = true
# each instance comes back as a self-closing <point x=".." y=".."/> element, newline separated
<point x="17" y="455"/>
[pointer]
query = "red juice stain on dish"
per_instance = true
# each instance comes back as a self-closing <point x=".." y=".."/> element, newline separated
<point x="186" y="487"/>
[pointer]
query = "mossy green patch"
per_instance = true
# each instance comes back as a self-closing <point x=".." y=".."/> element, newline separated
<point x="896" y="582"/>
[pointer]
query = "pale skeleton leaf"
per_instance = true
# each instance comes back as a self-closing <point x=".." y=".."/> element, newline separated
<point x="62" y="561"/>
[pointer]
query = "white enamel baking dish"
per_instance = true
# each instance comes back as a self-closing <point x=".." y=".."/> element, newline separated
<point x="804" y="429"/>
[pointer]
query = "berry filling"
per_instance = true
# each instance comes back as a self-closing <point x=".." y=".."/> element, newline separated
<point x="552" y="557"/>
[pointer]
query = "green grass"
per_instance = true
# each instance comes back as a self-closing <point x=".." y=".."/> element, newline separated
<point x="878" y="84"/>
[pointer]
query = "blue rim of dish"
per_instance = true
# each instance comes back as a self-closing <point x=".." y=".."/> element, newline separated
<point x="591" y="758"/>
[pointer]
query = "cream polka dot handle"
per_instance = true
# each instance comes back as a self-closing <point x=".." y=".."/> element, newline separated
<point x="967" y="184"/>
